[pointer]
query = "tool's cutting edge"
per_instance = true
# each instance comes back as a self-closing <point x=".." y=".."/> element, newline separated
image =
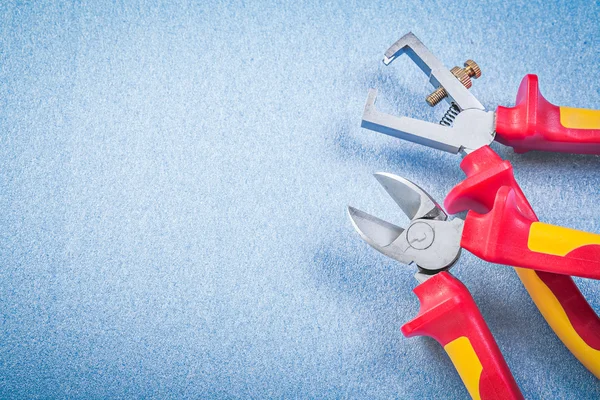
<point x="373" y="230"/>
<point x="414" y="201"/>
<point x="414" y="130"/>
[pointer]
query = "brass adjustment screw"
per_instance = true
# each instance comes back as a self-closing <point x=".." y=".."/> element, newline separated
<point x="464" y="75"/>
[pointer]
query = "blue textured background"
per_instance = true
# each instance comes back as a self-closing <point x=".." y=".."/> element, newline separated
<point x="173" y="184"/>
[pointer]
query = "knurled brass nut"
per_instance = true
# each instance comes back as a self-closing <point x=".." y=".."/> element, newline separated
<point x="464" y="75"/>
<point x="472" y="69"/>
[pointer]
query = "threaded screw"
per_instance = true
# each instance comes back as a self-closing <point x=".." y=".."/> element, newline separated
<point x="464" y="75"/>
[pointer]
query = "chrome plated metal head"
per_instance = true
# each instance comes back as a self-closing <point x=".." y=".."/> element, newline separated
<point x="471" y="128"/>
<point x="430" y="241"/>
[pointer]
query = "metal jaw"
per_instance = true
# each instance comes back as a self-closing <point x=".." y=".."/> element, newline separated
<point x="430" y="241"/>
<point x="473" y="127"/>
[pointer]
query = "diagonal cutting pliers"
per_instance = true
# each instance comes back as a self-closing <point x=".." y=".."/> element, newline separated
<point x="448" y="312"/>
<point x="500" y="227"/>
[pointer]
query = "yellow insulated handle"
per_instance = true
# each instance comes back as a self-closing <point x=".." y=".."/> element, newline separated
<point x="555" y="249"/>
<point x="579" y="118"/>
<point x="556" y="313"/>
<point x="571" y="318"/>
<point x="467" y="364"/>
<point x="557" y="240"/>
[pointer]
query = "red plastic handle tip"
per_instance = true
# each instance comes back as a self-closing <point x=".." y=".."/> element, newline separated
<point x="486" y="174"/>
<point x="535" y="124"/>
<point x="449" y="314"/>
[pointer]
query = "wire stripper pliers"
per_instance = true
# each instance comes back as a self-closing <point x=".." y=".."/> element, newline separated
<point x="532" y="124"/>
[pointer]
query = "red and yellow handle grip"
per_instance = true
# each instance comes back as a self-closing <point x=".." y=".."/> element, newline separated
<point x="506" y="236"/>
<point x="556" y="296"/>
<point x="449" y="315"/>
<point x="535" y="124"/>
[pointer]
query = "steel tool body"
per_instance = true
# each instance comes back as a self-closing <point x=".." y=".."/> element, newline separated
<point x="533" y="124"/>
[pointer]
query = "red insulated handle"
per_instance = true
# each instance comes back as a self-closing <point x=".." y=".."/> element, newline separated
<point x="535" y="124"/>
<point x="556" y="296"/>
<point x="506" y="236"/>
<point x="449" y="315"/>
